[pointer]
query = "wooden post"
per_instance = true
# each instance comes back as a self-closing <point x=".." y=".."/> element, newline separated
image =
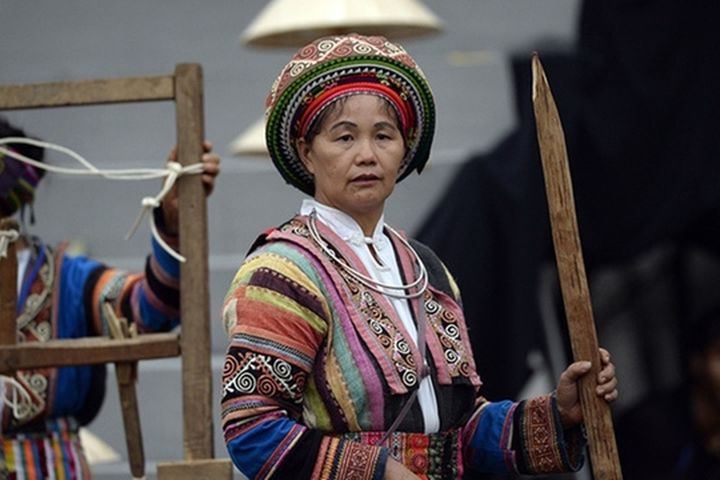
<point x="185" y="88"/>
<point x="210" y="469"/>
<point x="8" y="288"/>
<point x="194" y="291"/>
<point x="126" y="375"/>
<point x="573" y="280"/>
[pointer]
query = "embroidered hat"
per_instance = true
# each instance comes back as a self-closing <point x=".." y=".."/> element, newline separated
<point x="334" y="67"/>
<point x="18" y="180"/>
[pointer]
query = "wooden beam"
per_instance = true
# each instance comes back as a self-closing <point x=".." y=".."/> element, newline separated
<point x="8" y="289"/>
<point x="87" y="92"/>
<point x="210" y="469"/>
<point x="89" y="350"/>
<point x="573" y="280"/>
<point x="194" y="291"/>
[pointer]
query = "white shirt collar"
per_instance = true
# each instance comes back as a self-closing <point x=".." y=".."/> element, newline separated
<point x="344" y="225"/>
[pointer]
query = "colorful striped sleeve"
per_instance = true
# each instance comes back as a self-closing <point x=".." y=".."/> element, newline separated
<point x="150" y="300"/>
<point x="277" y="318"/>
<point x="524" y="437"/>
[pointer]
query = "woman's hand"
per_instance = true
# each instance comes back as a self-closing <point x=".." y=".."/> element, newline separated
<point x="395" y="470"/>
<point x="211" y="168"/>
<point x="568" y="398"/>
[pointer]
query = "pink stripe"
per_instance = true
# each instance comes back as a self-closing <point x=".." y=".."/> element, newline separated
<point x="373" y="383"/>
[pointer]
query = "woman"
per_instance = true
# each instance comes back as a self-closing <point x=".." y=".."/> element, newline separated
<point x="62" y="296"/>
<point x="349" y="354"/>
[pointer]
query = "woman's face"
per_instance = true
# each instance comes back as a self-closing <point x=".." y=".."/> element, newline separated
<point x="355" y="157"/>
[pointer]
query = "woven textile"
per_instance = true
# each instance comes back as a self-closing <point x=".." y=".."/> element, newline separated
<point x="331" y="68"/>
<point x="54" y="452"/>
<point x="318" y="366"/>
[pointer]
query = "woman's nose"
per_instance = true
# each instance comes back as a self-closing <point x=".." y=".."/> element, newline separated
<point x="366" y="152"/>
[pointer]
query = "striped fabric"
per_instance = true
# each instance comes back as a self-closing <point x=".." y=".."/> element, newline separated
<point x="53" y="453"/>
<point x="62" y="296"/>
<point x="317" y="362"/>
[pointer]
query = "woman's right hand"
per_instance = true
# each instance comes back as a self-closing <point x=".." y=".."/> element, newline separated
<point x="395" y="470"/>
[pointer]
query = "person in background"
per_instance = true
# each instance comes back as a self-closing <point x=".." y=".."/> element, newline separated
<point x="675" y="434"/>
<point x="62" y="296"/>
<point x="348" y="351"/>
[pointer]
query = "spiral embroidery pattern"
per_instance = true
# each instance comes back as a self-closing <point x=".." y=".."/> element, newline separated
<point x="249" y="372"/>
<point x="448" y="331"/>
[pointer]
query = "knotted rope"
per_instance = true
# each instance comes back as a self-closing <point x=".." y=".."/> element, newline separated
<point x="171" y="173"/>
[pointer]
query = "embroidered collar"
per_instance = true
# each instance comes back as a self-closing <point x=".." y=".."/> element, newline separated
<point x="42" y="266"/>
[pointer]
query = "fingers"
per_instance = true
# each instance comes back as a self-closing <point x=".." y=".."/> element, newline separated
<point x="576" y="370"/>
<point x="206" y="145"/>
<point x="172" y="155"/>
<point x="211" y="169"/>
<point x="604" y="356"/>
<point x="210" y="162"/>
<point x="607" y="382"/>
<point x="608" y="391"/>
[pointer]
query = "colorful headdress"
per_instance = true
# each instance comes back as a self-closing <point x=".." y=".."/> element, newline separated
<point x="18" y="180"/>
<point x="17" y="184"/>
<point x="334" y="67"/>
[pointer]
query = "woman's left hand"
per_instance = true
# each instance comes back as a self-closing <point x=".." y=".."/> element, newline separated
<point x="568" y="398"/>
<point x="211" y="169"/>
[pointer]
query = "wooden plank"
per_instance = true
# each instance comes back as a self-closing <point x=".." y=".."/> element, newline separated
<point x="87" y="92"/>
<point x="209" y="469"/>
<point x="8" y="289"/>
<point x="573" y="279"/>
<point x="90" y="350"/>
<point x="194" y="293"/>
<point x="126" y="374"/>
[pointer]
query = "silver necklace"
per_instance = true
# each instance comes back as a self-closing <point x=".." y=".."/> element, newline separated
<point x="395" y="291"/>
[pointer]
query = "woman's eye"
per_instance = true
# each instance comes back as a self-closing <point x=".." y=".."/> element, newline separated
<point x="345" y="138"/>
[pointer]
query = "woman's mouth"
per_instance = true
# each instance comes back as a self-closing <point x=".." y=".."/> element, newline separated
<point x="365" y="178"/>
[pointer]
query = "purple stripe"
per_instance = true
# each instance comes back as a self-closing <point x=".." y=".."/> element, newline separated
<point x="392" y="376"/>
<point x="371" y="380"/>
<point x="273" y="280"/>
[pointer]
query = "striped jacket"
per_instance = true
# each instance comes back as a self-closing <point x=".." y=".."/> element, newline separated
<point x="61" y="296"/>
<point x="318" y="367"/>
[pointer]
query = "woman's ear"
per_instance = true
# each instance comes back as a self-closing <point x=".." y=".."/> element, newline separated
<point x="303" y="148"/>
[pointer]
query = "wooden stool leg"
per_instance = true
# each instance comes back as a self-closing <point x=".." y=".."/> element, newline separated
<point x="8" y="288"/>
<point x="210" y="469"/>
<point x="126" y="373"/>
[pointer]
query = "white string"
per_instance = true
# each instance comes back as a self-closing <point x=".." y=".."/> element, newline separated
<point x="21" y="407"/>
<point x="7" y="237"/>
<point x="172" y="171"/>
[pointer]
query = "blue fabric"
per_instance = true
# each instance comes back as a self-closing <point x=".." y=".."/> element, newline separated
<point x="72" y="382"/>
<point x="152" y="318"/>
<point x="251" y="449"/>
<point x="488" y="454"/>
<point x="166" y="261"/>
<point x="155" y="320"/>
<point x="30" y="278"/>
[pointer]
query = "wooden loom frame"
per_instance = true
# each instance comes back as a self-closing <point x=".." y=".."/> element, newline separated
<point x="185" y="88"/>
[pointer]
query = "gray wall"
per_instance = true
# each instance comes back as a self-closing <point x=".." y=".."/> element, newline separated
<point x="50" y="40"/>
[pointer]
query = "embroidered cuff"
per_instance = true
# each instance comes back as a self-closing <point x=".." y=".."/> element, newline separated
<point x="338" y="459"/>
<point x="543" y="445"/>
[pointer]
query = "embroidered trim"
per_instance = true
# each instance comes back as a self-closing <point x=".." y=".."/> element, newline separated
<point x="541" y="436"/>
<point x="435" y="455"/>
<point x="36" y="300"/>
